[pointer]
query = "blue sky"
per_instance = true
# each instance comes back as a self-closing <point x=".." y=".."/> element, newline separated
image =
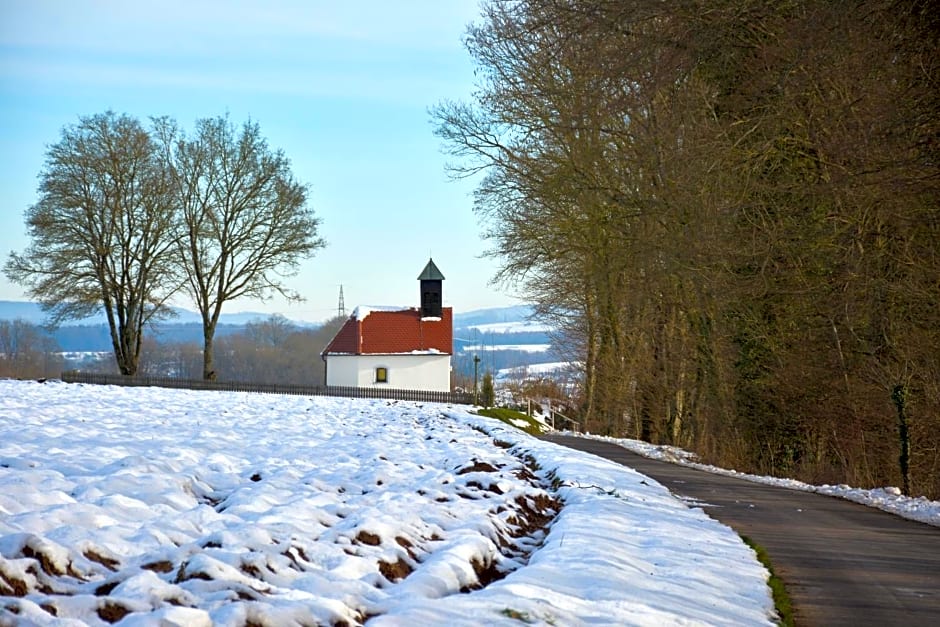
<point x="343" y="88"/>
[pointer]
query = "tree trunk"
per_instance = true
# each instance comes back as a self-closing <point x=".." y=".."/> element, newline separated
<point x="899" y="396"/>
<point x="590" y="364"/>
<point x="678" y="413"/>
<point x="208" y="358"/>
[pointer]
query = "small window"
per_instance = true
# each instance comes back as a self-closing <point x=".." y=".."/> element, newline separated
<point x="381" y="374"/>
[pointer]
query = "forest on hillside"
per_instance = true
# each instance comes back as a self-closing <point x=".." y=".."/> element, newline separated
<point x="730" y="210"/>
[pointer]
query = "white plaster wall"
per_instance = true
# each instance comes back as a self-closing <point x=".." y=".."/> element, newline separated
<point x="342" y="370"/>
<point x="407" y="372"/>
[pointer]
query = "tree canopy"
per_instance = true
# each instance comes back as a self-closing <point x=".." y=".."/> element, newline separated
<point x="731" y="209"/>
<point x="244" y="223"/>
<point x="130" y="216"/>
<point x="102" y="231"/>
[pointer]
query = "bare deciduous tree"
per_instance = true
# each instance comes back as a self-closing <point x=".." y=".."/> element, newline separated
<point x="101" y="231"/>
<point x="245" y="223"/>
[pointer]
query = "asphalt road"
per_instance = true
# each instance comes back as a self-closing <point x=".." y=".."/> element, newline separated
<point x="842" y="563"/>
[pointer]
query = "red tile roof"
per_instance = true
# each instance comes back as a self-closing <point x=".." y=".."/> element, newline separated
<point x="390" y="332"/>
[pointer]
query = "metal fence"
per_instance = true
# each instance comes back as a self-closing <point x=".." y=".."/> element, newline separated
<point x="425" y="396"/>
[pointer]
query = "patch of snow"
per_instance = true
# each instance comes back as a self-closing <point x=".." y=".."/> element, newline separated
<point x="184" y="507"/>
<point x="534" y="369"/>
<point x="528" y="348"/>
<point x="518" y="422"/>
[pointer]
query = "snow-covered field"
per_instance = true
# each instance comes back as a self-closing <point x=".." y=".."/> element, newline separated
<point x="519" y="326"/>
<point x="147" y="506"/>
<point x="525" y="348"/>
<point x="888" y="499"/>
<point x="534" y="370"/>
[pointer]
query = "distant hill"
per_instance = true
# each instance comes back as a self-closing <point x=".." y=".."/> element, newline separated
<point x="493" y="315"/>
<point x="92" y="334"/>
<point x="33" y="313"/>
<point x="502" y="337"/>
<point x="21" y="310"/>
<point x="96" y="337"/>
<point x="500" y="326"/>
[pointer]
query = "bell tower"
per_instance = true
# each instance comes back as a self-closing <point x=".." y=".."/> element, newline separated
<point x="432" y="291"/>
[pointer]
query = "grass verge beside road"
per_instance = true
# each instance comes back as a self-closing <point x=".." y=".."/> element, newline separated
<point x="779" y="591"/>
<point x="514" y="418"/>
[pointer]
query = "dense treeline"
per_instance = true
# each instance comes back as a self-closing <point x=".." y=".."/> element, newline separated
<point x="731" y="209"/>
<point x="269" y="350"/>
<point x="27" y="351"/>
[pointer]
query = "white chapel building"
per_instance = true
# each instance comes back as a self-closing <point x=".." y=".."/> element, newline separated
<point x="407" y="348"/>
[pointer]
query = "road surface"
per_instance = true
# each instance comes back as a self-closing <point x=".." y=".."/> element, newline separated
<point x="842" y="563"/>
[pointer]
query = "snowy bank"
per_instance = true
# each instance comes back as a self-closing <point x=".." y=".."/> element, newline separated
<point x="888" y="499"/>
<point x="158" y="507"/>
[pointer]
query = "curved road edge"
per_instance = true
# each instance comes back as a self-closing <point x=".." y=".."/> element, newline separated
<point x="842" y="563"/>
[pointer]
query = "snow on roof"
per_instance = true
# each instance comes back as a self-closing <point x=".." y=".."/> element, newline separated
<point x="430" y="351"/>
<point x="362" y="311"/>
